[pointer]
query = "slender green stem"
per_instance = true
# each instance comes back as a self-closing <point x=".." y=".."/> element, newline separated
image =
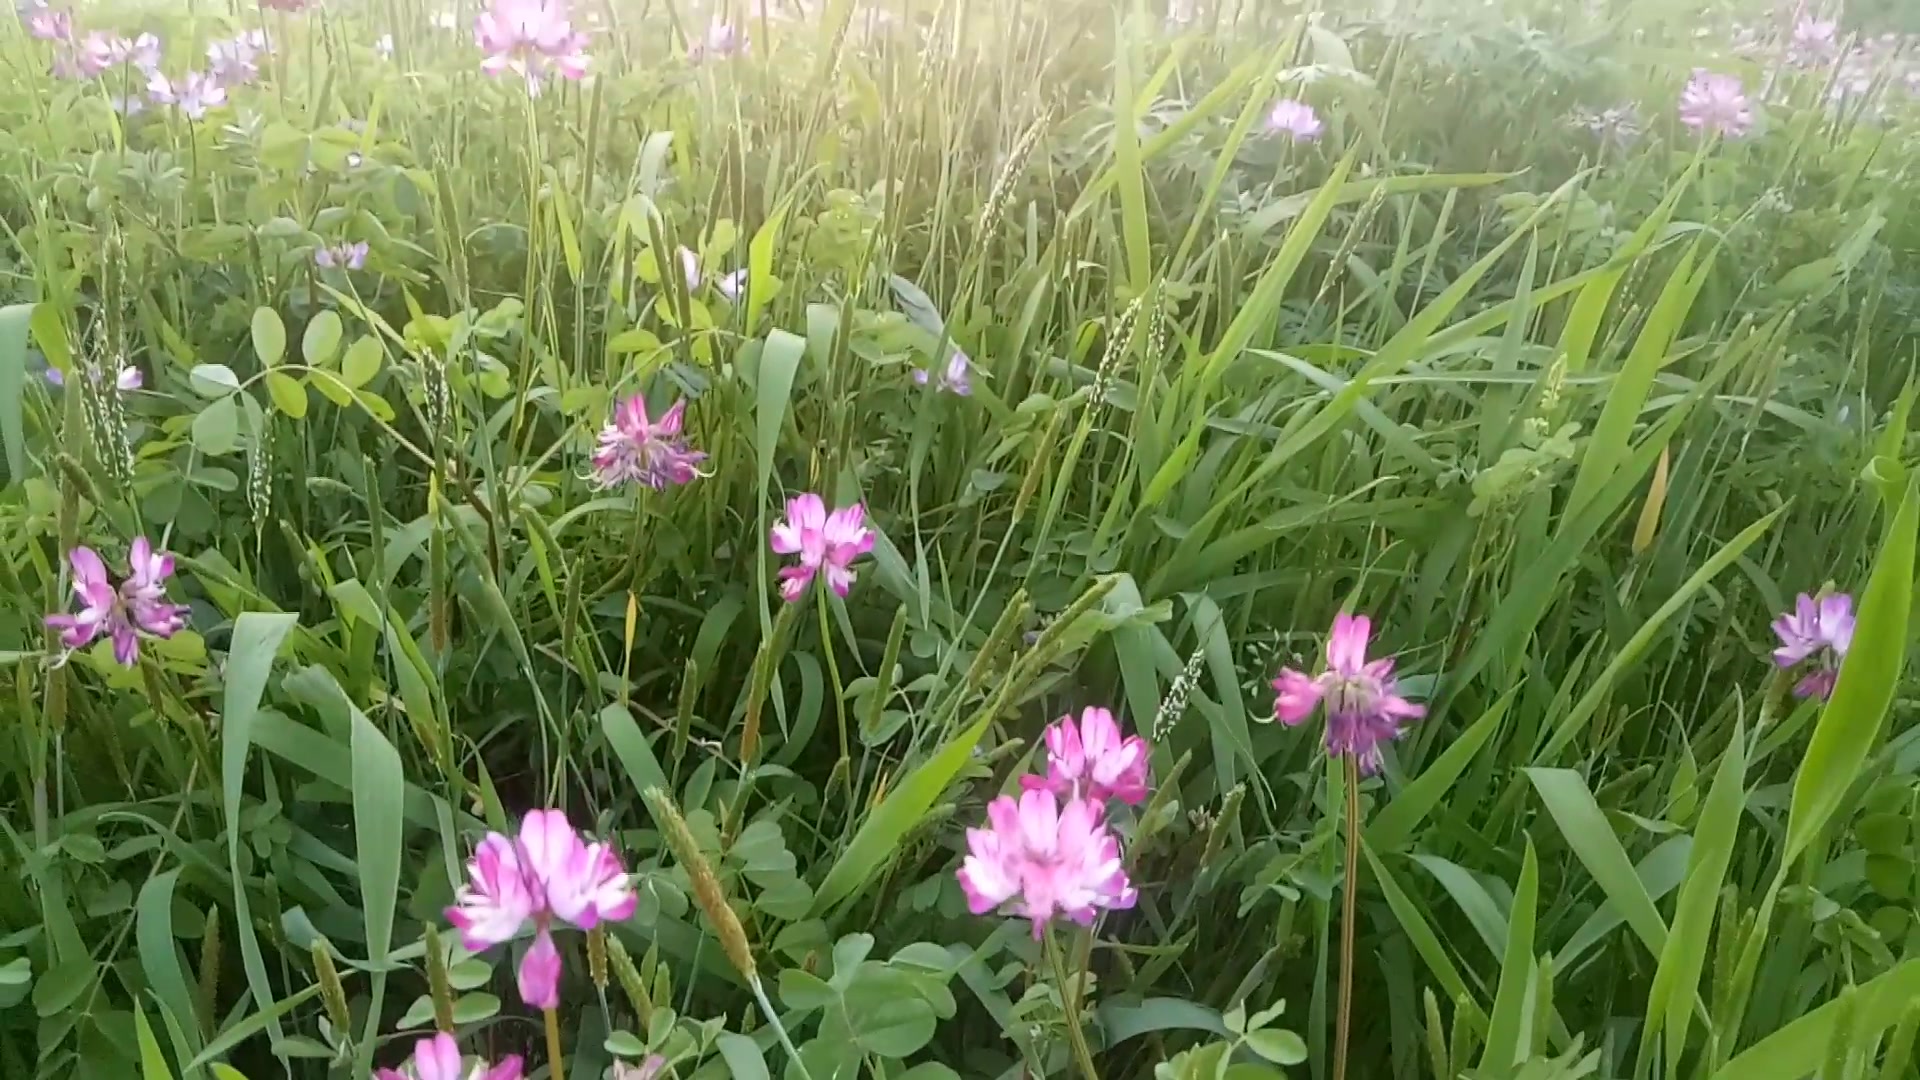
<point x="1070" y="1002"/>
<point x="1343" y="1020"/>
<point x="779" y="1029"/>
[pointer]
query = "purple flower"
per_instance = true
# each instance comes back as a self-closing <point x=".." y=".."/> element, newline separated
<point x="636" y="449"/>
<point x="1814" y="39"/>
<point x="235" y="61"/>
<point x="1364" y="706"/>
<point x="532" y="39"/>
<point x="1295" y="119"/>
<point x="956" y="379"/>
<point x="438" y="1058"/>
<point x="193" y="95"/>
<point x="824" y="541"/>
<point x="50" y="24"/>
<point x="722" y="41"/>
<point x="101" y="51"/>
<point x="126" y="379"/>
<point x="138" y="606"/>
<point x="1716" y="104"/>
<point x="1818" y="630"/>
<point x="344" y="255"/>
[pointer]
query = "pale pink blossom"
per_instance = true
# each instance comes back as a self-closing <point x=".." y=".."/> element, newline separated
<point x="635" y="449"/>
<point x="1041" y="861"/>
<point x="50" y="23"/>
<point x="722" y="40"/>
<point x="531" y="38"/>
<point x="1364" y="706"/>
<point x="193" y="95"/>
<point x="438" y="1058"/>
<point x="139" y="606"/>
<point x="1091" y="760"/>
<point x="1716" y="104"/>
<point x="1819" y="630"/>
<point x="345" y="255"/>
<point x="823" y="541"/>
<point x="1294" y="119"/>
<point x="538" y="977"/>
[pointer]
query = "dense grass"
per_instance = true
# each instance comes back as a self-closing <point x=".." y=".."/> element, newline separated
<point x="1572" y="419"/>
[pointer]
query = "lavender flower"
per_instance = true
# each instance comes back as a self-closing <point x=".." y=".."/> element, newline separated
<point x="956" y="379"/>
<point x="49" y="23"/>
<point x="637" y="449"/>
<point x="234" y="61"/>
<point x="193" y="95"/>
<point x="1814" y="40"/>
<point x="1818" y="630"/>
<point x="344" y="255"/>
<point x="531" y="38"/>
<point x="1295" y="119"/>
<point x="1716" y="104"/>
<point x="722" y="40"/>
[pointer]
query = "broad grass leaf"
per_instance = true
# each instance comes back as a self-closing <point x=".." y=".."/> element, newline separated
<point x="1509" y="1024"/>
<point x="1418" y="930"/>
<point x="379" y="787"/>
<point x="159" y="954"/>
<point x="780" y="358"/>
<point x="153" y="1063"/>
<point x="1849" y="727"/>
<point x="1123" y="1020"/>
<point x="14" y="321"/>
<point x="631" y="747"/>
<point x="1590" y="835"/>
<point x="1393" y="826"/>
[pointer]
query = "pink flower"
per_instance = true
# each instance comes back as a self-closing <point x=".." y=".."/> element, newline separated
<point x="193" y="95"/>
<point x="1715" y="104"/>
<point x="438" y="1058"/>
<point x="722" y="41"/>
<point x="822" y="540"/>
<point x="1295" y="119"/>
<point x="547" y="872"/>
<point x="139" y="606"/>
<point x="50" y="24"/>
<point x="235" y="61"/>
<point x="532" y="39"/>
<point x="343" y="255"/>
<point x="1364" y="706"/>
<point x="1039" y="860"/>
<point x="1821" y="630"/>
<point x="956" y="379"/>
<point x="1092" y="761"/>
<point x="100" y="51"/>
<point x="636" y="449"/>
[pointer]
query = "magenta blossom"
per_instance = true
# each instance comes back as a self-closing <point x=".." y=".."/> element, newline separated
<point x="548" y="872"/>
<point x="1818" y="630"/>
<point x="1715" y="104"/>
<point x="344" y="255"/>
<point x="1294" y="119"/>
<point x="1364" y="706"/>
<point x="635" y="449"/>
<point x="438" y="1058"/>
<point x="956" y="379"/>
<point x="1092" y="761"/>
<point x="531" y="38"/>
<point x="139" y="606"/>
<point x="193" y="95"/>
<point x="822" y="540"/>
<point x="1040" y="860"/>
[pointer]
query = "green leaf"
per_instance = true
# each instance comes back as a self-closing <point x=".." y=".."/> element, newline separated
<point x="780" y="359"/>
<point x="631" y="747"/>
<point x="14" y="320"/>
<point x="1850" y="726"/>
<point x="1393" y="826"/>
<point x="322" y="338"/>
<point x="362" y="362"/>
<point x="1277" y="1045"/>
<point x="885" y="1016"/>
<point x="1590" y="835"/>
<point x="213" y="381"/>
<point x="160" y="956"/>
<point x="216" y="428"/>
<point x="760" y="260"/>
<point x="288" y="393"/>
<point x="743" y="1057"/>
<point x="1508" y="1037"/>
<point x="379" y="787"/>
<point x="269" y="336"/>
<point x="153" y="1063"/>
<point x="1121" y="1020"/>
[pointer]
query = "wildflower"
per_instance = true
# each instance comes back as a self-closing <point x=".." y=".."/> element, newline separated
<point x="1820" y="630"/>
<point x="50" y="24"/>
<point x="127" y="378"/>
<point x="636" y="449"/>
<point x="1814" y="39"/>
<point x="1619" y="125"/>
<point x="233" y="61"/>
<point x="646" y="1070"/>
<point x="343" y="255"/>
<point x="690" y="267"/>
<point x="821" y="539"/>
<point x="548" y="872"/>
<point x="1092" y="761"/>
<point x="1295" y="119"/>
<point x="956" y="378"/>
<point x="1041" y="860"/>
<point x="139" y="606"/>
<point x="193" y="95"/>
<point x="101" y="51"/>
<point x="384" y="46"/>
<point x="732" y="285"/>
<point x="532" y="39"/>
<point x="438" y="1058"/>
<point x="1364" y="706"/>
<point x="722" y="40"/>
<point x="1715" y="104"/>
<point x="127" y="104"/>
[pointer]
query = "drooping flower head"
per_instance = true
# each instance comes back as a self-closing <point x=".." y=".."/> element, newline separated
<point x="1364" y="706"/>
<point x="635" y="449"/>
<point x="956" y="379"/>
<point x="1040" y="860"/>
<point x="1819" y="630"/>
<point x="139" y="606"/>
<point x="1716" y="104"/>
<point x="1091" y="760"/>
<point x="344" y="255"/>
<point x="438" y="1058"/>
<point x="531" y="38"/>
<point x="193" y="95"/>
<point x="1294" y="119"/>
<point x="547" y="872"/>
<point x="822" y="540"/>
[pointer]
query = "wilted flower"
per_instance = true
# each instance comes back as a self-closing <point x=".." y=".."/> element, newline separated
<point x="438" y="1058"/>
<point x="344" y="255"/>
<point x="1364" y="706"/>
<point x="532" y="39"/>
<point x="547" y="872"/>
<point x="1819" y="630"/>
<point x="957" y="378"/>
<point x="634" y="449"/>
<point x="1716" y="104"/>
<point x="722" y="41"/>
<point x="1041" y="860"/>
<point x="193" y="95"/>
<point x="138" y="606"/>
<point x="822" y="540"/>
<point x="1295" y="119"/>
<point x="1092" y="761"/>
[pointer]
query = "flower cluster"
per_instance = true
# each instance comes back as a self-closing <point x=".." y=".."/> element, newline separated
<point x="637" y="449"/>
<point x="344" y="255"/>
<point x="192" y="95"/>
<point x="1294" y="119"/>
<point x="1818" y="630"/>
<point x="956" y="379"/>
<point x="533" y="39"/>
<point x="235" y="61"/>
<point x="137" y="606"/>
<point x="1716" y="104"/>
<point x="824" y="541"/>
<point x="1049" y="853"/>
<point x="438" y="1058"/>
<point x="547" y="872"/>
<point x="1364" y="706"/>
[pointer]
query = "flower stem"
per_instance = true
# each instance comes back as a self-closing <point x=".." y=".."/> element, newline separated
<point x="779" y="1029"/>
<point x="1069" y="1000"/>
<point x="1343" y="1020"/>
<point x="555" y="1066"/>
